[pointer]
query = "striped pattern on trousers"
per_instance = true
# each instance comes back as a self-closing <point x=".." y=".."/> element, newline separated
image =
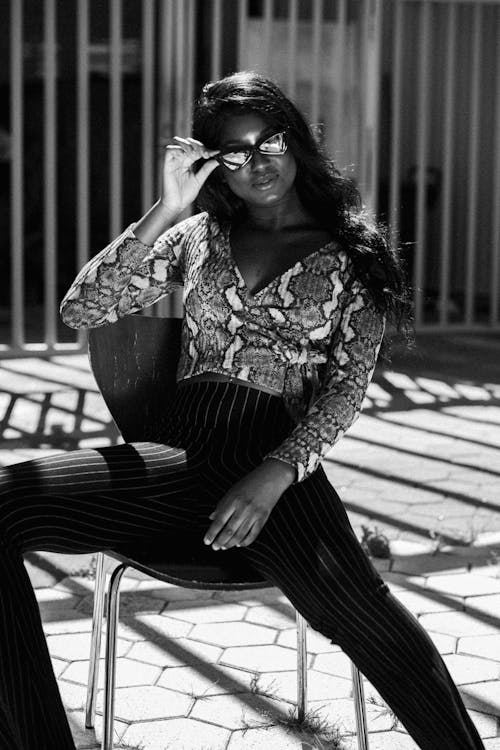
<point x="115" y="497"/>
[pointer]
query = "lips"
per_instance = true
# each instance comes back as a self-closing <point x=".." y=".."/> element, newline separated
<point x="264" y="181"/>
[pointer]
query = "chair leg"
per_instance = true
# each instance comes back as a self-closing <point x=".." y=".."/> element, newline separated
<point x="95" y="645"/>
<point x="359" y="708"/>
<point x="110" y="660"/>
<point x="301" y="666"/>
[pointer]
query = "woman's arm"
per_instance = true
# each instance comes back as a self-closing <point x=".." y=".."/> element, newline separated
<point x="145" y="262"/>
<point x="353" y="355"/>
<point x="125" y="277"/>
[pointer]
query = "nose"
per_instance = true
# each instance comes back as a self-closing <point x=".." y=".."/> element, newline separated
<point x="259" y="161"/>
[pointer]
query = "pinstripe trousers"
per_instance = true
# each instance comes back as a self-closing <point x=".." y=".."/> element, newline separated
<point x="90" y="500"/>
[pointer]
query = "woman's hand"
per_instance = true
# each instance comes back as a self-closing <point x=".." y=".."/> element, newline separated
<point x="244" y="509"/>
<point x="181" y="183"/>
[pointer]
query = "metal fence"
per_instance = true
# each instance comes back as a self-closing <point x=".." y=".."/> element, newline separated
<point x="407" y="97"/>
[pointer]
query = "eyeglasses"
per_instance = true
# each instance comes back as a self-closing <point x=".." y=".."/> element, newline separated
<point x="273" y="145"/>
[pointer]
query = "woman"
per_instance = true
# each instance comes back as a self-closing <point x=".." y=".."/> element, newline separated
<point x="286" y="289"/>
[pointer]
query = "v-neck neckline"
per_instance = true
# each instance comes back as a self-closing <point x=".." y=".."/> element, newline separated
<point x="227" y="244"/>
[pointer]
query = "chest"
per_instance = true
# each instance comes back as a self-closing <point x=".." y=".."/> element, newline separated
<point x="262" y="256"/>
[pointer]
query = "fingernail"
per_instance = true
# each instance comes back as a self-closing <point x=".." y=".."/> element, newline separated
<point x="216" y="547"/>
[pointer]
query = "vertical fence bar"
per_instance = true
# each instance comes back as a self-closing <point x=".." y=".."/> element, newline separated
<point x="422" y="147"/>
<point x="116" y="130"/>
<point x="396" y="110"/>
<point x="50" y="177"/>
<point x="472" y="201"/>
<point x="267" y="36"/>
<point x="316" y="60"/>
<point x="293" y="11"/>
<point x="339" y="78"/>
<point x="17" y="170"/>
<point x="215" y="57"/>
<point x="242" y="33"/>
<point x="191" y="47"/>
<point x="495" y="227"/>
<point x="449" y="127"/>
<point x="147" y="105"/>
<point x="180" y="36"/>
<point x="82" y="139"/>
<point x="370" y="87"/>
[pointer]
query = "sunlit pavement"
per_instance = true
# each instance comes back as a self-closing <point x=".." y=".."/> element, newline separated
<point x="216" y="671"/>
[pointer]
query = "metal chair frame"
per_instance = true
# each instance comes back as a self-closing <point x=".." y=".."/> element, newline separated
<point x="132" y="334"/>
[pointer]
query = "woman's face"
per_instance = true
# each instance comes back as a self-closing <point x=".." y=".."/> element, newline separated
<point x="267" y="179"/>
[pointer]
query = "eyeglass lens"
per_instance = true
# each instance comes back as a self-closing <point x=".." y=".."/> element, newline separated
<point x="275" y="144"/>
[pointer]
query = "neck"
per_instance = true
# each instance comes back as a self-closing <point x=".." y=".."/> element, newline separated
<point x="288" y="212"/>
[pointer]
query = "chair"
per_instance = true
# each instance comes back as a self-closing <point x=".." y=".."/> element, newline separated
<point x="134" y="363"/>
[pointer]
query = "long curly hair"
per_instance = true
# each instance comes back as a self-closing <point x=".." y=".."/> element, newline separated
<point x="330" y="197"/>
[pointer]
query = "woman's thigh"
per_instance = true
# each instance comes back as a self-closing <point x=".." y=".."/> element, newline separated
<point x="309" y="549"/>
<point x="91" y="499"/>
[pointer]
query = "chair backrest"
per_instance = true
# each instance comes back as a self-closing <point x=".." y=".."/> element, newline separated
<point x="134" y="362"/>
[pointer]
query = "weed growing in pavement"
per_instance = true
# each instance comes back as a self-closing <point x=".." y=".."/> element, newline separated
<point x="375" y="543"/>
<point x="266" y="692"/>
<point x="87" y="571"/>
<point x="385" y="710"/>
<point x="314" y="730"/>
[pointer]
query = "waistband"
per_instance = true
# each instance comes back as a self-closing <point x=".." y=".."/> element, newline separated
<point x="231" y="407"/>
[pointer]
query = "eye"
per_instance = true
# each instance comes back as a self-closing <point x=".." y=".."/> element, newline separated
<point x="236" y="158"/>
<point x="275" y="144"/>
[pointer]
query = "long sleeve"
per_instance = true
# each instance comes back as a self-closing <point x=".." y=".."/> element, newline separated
<point x="348" y="371"/>
<point x="125" y="277"/>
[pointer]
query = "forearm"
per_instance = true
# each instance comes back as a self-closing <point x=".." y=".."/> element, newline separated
<point x="154" y="223"/>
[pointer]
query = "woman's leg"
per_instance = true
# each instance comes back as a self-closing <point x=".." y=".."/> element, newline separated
<point x="309" y="549"/>
<point x="81" y="501"/>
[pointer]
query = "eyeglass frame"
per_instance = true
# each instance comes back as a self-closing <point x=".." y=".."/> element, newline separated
<point x="252" y="150"/>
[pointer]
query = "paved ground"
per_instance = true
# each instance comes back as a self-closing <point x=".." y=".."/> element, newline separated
<point x="217" y="671"/>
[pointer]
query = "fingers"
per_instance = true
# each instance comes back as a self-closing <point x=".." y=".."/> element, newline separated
<point x="193" y="148"/>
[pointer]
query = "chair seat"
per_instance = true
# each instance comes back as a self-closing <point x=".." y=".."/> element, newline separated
<point x="200" y="569"/>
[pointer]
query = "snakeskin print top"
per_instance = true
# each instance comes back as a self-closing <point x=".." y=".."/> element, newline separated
<point x="312" y="333"/>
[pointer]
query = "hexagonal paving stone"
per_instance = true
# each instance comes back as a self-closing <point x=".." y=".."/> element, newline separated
<point x="277" y="738"/>
<point x="422" y="603"/>
<point x="208" y="679"/>
<point x="65" y="622"/>
<point x="316" y="643"/>
<point x="233" y="634"/>
<point x="73" y="696"/>
<point x="486" y="724"/>
<point x="320" y="686"/>
<point x="238" y="711"/>
<point x="481" y="645"/>
<point x="464" y="584"/>
<point x="145" y="702"/>
<point x="92" y="738"/>
<point x="445" y="644"/>
<point x="336" y="663"/>
<point x="196" y="612"/>
<point x="131" y="603"/>
<point x="152" y="627"/>
<point x="76" y="646"/>
<point x="391" y="741"/>
<point x="175" y="653"/>
<point x="487" y="605"/>
<point x="58" y="665"/>
<point x="457" y="623"/>
<point x="464" y="668"/>
<point x="177" y="734"/>
<point x="282" y="616"/>
<point x="128" y="673"/>
<point x="53" y="600"/>
<point x="482" y="696"/>
<point x="260" y="658"/>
